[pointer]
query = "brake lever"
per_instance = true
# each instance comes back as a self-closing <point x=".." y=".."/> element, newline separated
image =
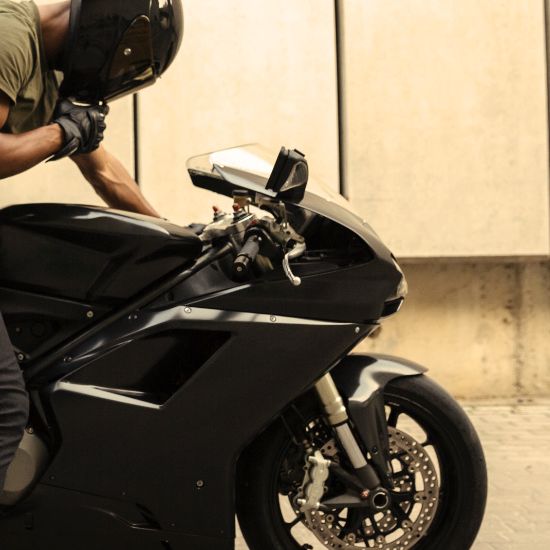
<point x="296" y="252"/>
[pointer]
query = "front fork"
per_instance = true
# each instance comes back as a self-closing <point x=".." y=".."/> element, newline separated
<point x="338" y="418"/>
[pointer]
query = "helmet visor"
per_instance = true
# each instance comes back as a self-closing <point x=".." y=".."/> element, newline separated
<point x="132" y="65"/>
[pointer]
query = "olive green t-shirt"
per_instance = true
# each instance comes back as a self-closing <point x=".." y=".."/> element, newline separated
<point x="24" y="73"/>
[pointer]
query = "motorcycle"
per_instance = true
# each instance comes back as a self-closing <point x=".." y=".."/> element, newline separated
<point x="180" y="375"/>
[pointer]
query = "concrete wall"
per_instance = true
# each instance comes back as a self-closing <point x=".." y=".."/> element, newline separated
<point x="447" y="155"/>
<point x="447" y="140"/>
<point x="483" y="329"/>
<point x="248" y="71"/>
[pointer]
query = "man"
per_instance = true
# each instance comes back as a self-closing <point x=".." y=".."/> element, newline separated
<point x="106" y="49"/>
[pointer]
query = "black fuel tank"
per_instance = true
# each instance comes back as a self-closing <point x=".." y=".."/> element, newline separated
<point x="89" y="254"/>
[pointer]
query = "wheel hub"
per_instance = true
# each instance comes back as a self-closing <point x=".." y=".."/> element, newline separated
<point x="411" y="510"/>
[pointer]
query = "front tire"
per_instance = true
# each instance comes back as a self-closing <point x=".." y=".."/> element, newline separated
<point x="416" y="406"/>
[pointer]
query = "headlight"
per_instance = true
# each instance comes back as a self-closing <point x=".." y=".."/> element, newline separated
<point x="403" y="287"/>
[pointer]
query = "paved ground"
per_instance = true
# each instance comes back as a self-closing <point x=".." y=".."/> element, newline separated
<point x="517" y="446"/>
<point x="516" y="438"/>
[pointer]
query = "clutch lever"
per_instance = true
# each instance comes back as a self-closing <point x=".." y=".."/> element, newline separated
<point x="296" y="252"/>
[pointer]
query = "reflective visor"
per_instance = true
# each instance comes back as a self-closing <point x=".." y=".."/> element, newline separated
<point x="132" y="64"/>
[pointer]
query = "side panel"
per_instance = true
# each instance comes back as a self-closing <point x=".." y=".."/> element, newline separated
<point x="177" y="460"/>
<point x="60" y="519"/>
<point x="37" y="323"/>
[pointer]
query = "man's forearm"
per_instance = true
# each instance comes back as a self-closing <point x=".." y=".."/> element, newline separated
<point x="113" y="183"/>
<point x="23" y="151"/>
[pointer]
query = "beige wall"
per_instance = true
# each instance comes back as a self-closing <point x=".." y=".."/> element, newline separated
<point x="447" y="155"/>
<point x="483" y="329"/>
<point x="447" y="124"/>
<point x="248" y="71"/>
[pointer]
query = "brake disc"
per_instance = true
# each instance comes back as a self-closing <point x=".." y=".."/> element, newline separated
<point x="416" y="495"/>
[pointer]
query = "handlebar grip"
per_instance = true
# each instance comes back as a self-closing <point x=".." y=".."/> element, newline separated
<point x="243" y="262"/>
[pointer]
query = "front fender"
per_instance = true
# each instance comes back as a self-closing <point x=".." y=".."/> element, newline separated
<point x="360" y="376"/>
<point x="361" y="380"/>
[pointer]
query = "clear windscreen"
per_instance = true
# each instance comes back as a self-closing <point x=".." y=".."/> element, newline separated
<point x="249" y="167"/>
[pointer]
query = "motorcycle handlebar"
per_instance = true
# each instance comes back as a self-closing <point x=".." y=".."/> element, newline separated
<point x="245" y="259"/>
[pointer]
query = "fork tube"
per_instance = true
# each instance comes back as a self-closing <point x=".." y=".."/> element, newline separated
<point x="337" y="416"/>
<point x="332" y="401"/>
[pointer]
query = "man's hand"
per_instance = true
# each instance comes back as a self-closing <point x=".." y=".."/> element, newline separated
<point x="83" y="127"/>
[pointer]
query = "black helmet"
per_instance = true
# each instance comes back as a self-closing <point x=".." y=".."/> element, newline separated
<point x="116" y="47"/>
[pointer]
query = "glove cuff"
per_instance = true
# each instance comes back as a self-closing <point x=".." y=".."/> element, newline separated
<point x="71" y="139"/>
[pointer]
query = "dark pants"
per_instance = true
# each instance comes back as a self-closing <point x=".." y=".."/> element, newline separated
<point x="14" y="403"/>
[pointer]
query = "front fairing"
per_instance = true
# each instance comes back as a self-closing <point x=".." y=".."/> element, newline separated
<point x="249" y="166"/>
<point x="355" y="286"/>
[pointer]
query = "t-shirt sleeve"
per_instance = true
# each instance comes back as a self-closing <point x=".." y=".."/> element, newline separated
<point x="16" y="58"/>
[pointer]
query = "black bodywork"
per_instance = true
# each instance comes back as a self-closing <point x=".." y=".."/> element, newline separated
<point x="151" y="370"/>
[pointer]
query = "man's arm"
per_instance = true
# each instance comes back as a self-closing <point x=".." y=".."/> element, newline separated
<point x="112" y="182"/>
<point x="109" y="178"/>
<point x="21" y="152"/>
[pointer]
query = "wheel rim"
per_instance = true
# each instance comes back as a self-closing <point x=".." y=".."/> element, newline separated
<point x="417" y="438"/>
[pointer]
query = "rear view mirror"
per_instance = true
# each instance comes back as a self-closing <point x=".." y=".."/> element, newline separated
<point x="290" y="175"/>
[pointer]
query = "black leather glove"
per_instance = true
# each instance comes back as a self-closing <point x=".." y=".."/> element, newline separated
<point x="83" y="127"/>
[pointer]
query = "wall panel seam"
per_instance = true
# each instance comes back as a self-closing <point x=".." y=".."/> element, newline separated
<point x="340" y="94"/>
<point x="546" y="14"/>
<point x="135" y="110"/>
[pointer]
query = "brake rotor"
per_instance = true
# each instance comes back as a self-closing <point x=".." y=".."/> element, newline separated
<point x="414" y="504"/>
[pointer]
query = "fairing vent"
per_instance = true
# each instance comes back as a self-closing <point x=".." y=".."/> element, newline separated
<point x="151" y="369"/>
<point x="392" y="307"/>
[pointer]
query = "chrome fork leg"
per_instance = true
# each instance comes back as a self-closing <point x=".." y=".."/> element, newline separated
<point x="338" y="418"/>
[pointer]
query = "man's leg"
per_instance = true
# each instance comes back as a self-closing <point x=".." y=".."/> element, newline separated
<point x="14" y="403"/>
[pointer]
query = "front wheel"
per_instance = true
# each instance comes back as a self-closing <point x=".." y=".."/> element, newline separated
<point x="440" y="481"/>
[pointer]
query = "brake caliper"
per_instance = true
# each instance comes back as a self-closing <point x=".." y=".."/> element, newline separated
<point x="313" y="487"/>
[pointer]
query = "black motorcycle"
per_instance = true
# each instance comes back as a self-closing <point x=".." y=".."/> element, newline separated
<point x="180" y="375"/>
